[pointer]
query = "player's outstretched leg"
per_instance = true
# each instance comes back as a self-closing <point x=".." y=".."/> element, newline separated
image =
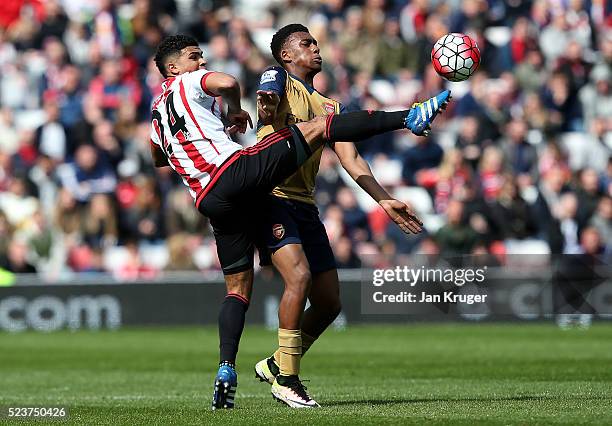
<point x="422" y="114"/>
<point x="360" y="125"/>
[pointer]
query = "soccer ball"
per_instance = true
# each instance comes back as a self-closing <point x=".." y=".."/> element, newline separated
<point x="455" y="56"/>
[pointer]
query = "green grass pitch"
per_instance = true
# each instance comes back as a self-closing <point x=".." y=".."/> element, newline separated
<point x="411" y="374"/>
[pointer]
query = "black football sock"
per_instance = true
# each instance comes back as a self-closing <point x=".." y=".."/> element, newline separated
<point x="359" y="125"/>
<point x="231" y="324"/>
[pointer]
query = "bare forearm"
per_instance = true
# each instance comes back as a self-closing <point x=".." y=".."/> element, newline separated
<point x="225" y="86"/>
<point x="373" y="188"/>
<point x="231" y="96"/>
<point x="361" y="173"/>
<point x="359" y="170"/>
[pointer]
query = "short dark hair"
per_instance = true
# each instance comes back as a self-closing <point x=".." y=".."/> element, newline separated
<point x="169" y="46"/>
<point x="281" y="36"/>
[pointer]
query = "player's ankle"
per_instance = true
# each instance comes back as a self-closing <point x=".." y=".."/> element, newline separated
<point x="273" y="366"/>
<point x="284" y="380"/>
<point x="230" y="364"/>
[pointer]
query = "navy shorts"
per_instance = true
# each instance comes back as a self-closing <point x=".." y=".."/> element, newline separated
<point x="235" y="203"/>
<point x="295" y="222"/>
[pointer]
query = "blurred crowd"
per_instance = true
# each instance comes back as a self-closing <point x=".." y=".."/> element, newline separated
<point x="520" y="162"/>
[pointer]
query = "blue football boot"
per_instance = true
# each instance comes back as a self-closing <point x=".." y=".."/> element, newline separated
<point x="422" y="114"/>
<point x="225" y="387"/>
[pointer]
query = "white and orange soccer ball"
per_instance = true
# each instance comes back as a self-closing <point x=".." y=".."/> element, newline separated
<point x="455" y="56"/>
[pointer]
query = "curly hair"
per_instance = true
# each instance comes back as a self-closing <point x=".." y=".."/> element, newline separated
<point x="169" y="46"/>
<point x="281" y="36"/>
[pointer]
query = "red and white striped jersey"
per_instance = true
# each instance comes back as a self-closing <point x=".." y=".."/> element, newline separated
<point x="186" y="124"/>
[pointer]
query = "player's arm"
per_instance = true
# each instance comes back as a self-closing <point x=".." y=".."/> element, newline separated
<point x="361" y="173"/>
<point x="271" y="88"/>
<point x="226" y="86"/>
<point x="159" y="158"/>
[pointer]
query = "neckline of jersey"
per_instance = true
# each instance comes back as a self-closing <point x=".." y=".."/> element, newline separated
<point x="308" y="87"/>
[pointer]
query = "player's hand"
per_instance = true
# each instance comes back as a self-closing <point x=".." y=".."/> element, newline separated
<point x="402" y="215"/>
<point x="239" y="121"/>
<point x="267" y="102"/>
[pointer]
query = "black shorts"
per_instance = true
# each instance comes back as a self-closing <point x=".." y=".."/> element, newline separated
<point x="236" y="204"/>
<point x="296" y="222"/>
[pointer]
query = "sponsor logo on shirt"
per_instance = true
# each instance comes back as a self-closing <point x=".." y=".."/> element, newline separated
<point x="268" y="76"/>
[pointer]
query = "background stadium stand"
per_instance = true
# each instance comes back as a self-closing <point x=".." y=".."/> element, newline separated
<point x="524" y="162"/>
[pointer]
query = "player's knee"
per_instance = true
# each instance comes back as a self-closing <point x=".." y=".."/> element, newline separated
<point x="313" y="130"/>
<point x="335" y="309"/>
<point x="328" y="307"/>
<point x="240" y="284"/>
<point x="332" y="308"/>
<point x="300" y="280"/>
<point x="319" y="121"/>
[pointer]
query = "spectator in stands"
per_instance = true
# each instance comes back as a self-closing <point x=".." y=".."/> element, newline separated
<point x="180" y="253"/>
<point x="511" y="215"/>
<point x="595" y="97"/>
<point x="220" y="56"/>
<point x="16" y="259"/>
<point x="17" y="204"/>
<point x="535" y="115"/>
<point x="100" y="222"/>
<point x="455" y="238"/>
<point x="54" y="23"/>
<point x="45" y="181"/>
<point x="6" y="234"/>
<point x="531" y="73"/>
<point x="355" y="220"/>
<point x="522" y="41"/>
<point x="144" y="220"/>
<point x="574" y="66"/>
<point x="551" y="186"/>
<point x="553" y="157"/>
<point x="67" y="215"/>
<point x="520" y="155"/>
<point x="567" y="225"/>
<point x="50" y="137"/>
<point x="454" y="175"/>
<point x="587" y="192"/>
<point x="344" y="254"/>
<point x="602" y="220"/>
<point x="108" y="91"/>
<point x="469" y="141"/>
<point x="355" y="41"/>
<point x="491" y="172"/>
<point x="559" y="98"/>
<point x="554" y="38"/>
<point x="393" y="53"/>
<point x="419" y="163"/>
<point x="70" y="102"/>
<point x="88" y="174"/>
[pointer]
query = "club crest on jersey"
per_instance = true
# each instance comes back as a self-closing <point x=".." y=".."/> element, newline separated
<point x="329" y="107"/>
<point x="278" y="231"/>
